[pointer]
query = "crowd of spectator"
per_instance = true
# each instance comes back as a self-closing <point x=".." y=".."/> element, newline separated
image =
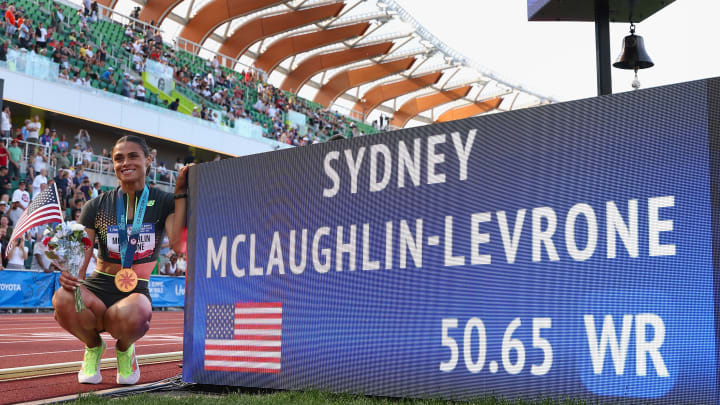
<point x="218" y="87"/>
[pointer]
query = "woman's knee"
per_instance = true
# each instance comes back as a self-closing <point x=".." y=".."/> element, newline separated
<point x="128" y="318"/>
<point x="63" y="301"/>
<point x="67" y="316"/>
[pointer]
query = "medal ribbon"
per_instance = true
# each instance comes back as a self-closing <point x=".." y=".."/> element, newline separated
<point x="127" y="250"/>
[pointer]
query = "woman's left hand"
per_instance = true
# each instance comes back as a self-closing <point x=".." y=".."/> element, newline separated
<point x="181" y="181"/>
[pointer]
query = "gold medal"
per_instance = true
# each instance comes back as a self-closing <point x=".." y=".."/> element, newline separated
<point x="126" y="280"/>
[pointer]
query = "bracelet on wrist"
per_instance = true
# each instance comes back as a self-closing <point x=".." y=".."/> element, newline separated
<point x="181" y="195"/>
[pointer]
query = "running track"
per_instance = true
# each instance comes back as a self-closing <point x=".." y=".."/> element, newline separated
<point x="36" y="339"/>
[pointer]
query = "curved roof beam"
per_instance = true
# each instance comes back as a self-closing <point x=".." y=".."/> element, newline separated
<point x="264" y="27"/>
<point x="217" y="12"/>
<point x="289" y="46"/>
<point x="347" y="79"/>
<point x="384" y="92"/>
<point x="415" y="106"/>
<point x="326" y="61"/>
<point x="470" y="110"/>
<point x="157" y="10"/>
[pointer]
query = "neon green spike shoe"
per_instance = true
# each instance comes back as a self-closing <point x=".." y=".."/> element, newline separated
<point x="128" y="372"/>
<point x="90" y="371"/>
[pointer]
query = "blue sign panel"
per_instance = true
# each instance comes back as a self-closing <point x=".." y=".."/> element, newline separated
<point x="167" y="291"/>
<point x="564" y="250"/>
<point x="26" y="289"/>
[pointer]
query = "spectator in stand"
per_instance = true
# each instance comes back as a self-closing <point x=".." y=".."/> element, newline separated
<point x="14" y="157"/>
<point x="21" y="196"/>
<point x="24" y="131"/>
<point x="10" y="22"/>
<point x="78" y="178"/>
<point x="40" y="180"/>
<point x="89" y="160"/>
<point x="77" y="155"/>
<point x="3" y="155"/>
<point x="153" y="155"/>
<point x="54" y="142"/>
<point x="34" y="129"/>
<point x="46" y="138"/>
<point x="62" y="144"/>
<point x="170" y="268"/>
<point x="5" y="185"/>
<point x="96" y="190"/>
<point x="140" y="91"/>
<point x="6" y="228"/>
<point x="26" y="34"/>
<point x="6" y="125"/>
<point x="82" y="138"/>
<point x="4" y="47"/>
<point x="63" y="186"/>
<point x="39" y="162"/>
<point x="41" y="36"/>
<point x="58" y="18"/>
<point x="40" y="261"/>
<point x="174" y="105"/>
<point x="17" y="255"/>
<point x="107" y="74"/>
<point x="164" y="174"/>
<point x="62" y="160"/>
<point x="94" y="12"/>
<point x="106" y="161"/>
<point x="86" y="188"/>
<point x="181" y="264"/>
<point x="126" y="85"/>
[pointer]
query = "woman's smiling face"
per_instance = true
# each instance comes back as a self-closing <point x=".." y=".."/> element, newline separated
<point x="130" y="162"/>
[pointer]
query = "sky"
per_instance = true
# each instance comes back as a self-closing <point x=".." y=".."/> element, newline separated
<point x="557" y="59"/>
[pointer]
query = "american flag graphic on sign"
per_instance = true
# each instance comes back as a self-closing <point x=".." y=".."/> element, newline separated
<point x="244" y="337"/>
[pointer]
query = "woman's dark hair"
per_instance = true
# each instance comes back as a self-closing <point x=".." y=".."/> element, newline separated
<point x="137" y="140"/>
<point x="140" y="142"/>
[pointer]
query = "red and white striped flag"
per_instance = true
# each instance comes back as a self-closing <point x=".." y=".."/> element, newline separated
<point x="244" y="337"/>
<point x="43" y="209"/>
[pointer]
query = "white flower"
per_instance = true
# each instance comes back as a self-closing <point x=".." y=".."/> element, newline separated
<point x="77" y="227"/>
<point x="46" y="232"/>
<point x="54" y="240"/>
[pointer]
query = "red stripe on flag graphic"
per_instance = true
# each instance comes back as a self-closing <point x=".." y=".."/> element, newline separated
<point x="244" y="337"/>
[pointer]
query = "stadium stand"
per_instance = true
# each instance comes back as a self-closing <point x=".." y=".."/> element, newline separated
<point x="107" y="56"/>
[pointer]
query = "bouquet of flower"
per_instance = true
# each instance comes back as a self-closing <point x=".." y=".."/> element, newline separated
<point x="67" y="245"/>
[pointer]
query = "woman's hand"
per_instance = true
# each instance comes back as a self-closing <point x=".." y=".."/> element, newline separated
<point x="181" y="181"/>
<point x="68" y="282"/>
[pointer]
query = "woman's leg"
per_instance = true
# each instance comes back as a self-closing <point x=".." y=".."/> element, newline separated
<point x="128" y="320"/>
<point x="85" y="325"/>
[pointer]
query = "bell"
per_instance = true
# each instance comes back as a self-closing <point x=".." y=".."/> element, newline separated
<point x="633" y="55"/>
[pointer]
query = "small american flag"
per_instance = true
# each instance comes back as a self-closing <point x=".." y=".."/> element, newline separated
<point x="244" y="337"/>
<point x="43" y="209"/>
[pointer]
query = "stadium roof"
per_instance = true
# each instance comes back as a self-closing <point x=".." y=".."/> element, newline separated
<point x="361" y="57"/>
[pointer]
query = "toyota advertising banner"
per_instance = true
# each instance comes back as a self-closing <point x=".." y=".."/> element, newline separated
<point x="563" y="250"/>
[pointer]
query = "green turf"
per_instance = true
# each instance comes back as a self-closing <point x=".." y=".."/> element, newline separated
<point x="302" y="398"/>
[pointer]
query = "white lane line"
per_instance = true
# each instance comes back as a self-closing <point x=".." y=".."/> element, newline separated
<point x="109" y="348"/>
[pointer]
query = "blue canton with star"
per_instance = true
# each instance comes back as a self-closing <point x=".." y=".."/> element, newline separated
<point x="220" y="322"/>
